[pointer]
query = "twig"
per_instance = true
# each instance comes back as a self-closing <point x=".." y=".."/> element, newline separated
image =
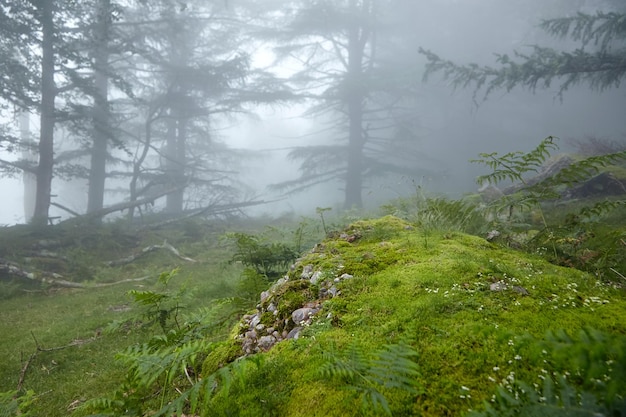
<point x="614" y="270"/>
<point x="67" y="209"/>
<point x="20" y="382"/>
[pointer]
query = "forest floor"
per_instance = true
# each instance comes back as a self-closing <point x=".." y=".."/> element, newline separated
<point x="466" y="317"/>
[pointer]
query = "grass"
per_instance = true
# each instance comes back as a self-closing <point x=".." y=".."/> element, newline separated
<point x="79" y="319"/>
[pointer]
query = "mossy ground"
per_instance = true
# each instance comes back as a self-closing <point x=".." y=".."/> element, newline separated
<point x="432" y="292"/>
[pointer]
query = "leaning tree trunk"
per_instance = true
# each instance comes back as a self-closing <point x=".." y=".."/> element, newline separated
<point x="101" y="116"/>
<point x="46" y="132"/>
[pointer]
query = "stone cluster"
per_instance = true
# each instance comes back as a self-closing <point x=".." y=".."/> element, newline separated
<point x="257" y="336"/>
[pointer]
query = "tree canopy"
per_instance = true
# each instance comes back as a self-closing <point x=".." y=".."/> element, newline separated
<point x="599" y="61"/>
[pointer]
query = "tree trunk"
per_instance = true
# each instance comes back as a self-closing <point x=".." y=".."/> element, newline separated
<point x="174" y="168"/>
<point x="29" y="155"/>
<point x="355" y="96"/>
<point x="101" y="115"/>
<point x="46" y="132"/>
<point x="176" y="160"/>
<point x="354" y="179"/>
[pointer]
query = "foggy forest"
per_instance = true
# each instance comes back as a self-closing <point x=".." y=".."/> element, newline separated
<point x="175" y="106"/>
<point x="231" y="137"/>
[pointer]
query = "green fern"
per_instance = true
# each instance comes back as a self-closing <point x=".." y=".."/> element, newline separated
<point x="513" y="166"/>
<point x="600" y="209"/>
<point x="392" y="367"/>
<point x="161" y="307"/>
<point x="166" y="369"/>
<point x="16" y="403"/>
<point x="524" y="401"/>
<point x="198" y="395"/>
<point x="531" y="195"/>
<point x="599" y="359"/>
<point x="594" y="387"/>
<point x="583" y="169"/>
<point x="267" y="259"/>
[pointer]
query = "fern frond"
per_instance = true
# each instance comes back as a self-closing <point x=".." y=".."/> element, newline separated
<point x="600" y="209"/>
<point x="513" y="165"/>
<point x="523" y="401"/>
<point x="395" y="367"/>
<point x="584" y="169"/>
<point x="392" y="367"/>
<point x="374" y="402"/>
<point x="198" y="395"/>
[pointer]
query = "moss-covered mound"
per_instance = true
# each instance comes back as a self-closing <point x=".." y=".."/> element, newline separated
<point x="420" y="324"/>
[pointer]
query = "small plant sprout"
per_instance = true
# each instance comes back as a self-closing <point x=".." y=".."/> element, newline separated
<point x="320" y="211"/>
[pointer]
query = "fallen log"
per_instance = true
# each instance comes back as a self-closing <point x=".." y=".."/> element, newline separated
<point x="14" y="270"/>
<point x="212" y="210"/>
<point x="148" y="249"/>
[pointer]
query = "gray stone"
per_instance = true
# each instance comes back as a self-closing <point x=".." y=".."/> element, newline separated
<point x="255" y="320"/>
<point x="316" y="277"/>
<point x="497" y="286"/>
<point x="279" y="283"/>
<point x="271" y="308"/>
<point x="260" y="326"/>
<point x="307" y="271"/>
<point x="333" y="291"/>
<point x="520" y="290"/>
<point x="346" y="276"/>
<point x="266" y="342"/>
<point x="294" y="333"/>
<point x="264" y="296"/>
<point x="301" y="314"/>
<point x="248" y="347"/>
<point x="250" y="334"/>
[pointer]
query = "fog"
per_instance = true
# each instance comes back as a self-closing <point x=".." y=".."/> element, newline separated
<point x="452" y="125"/>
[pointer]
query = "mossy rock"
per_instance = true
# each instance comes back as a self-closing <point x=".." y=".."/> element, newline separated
<point x="476" y="314"/>
<point x="222" y="354"/>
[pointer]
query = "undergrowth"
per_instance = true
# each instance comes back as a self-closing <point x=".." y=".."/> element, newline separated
<point x="393" y="367"/>
<point x="587" y="378"/>
<point x="570" y="239"/>
<point x="537" y="215"/>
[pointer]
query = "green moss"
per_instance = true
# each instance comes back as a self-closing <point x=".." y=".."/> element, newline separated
<point x="437" y="298"/>
<point x="222" y="354"/>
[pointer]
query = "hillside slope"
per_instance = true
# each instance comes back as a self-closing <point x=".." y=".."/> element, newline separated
<point x="391" y="320"/>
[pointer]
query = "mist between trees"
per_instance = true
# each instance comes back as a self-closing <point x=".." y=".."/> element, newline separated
<point x="127" y="107"/>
